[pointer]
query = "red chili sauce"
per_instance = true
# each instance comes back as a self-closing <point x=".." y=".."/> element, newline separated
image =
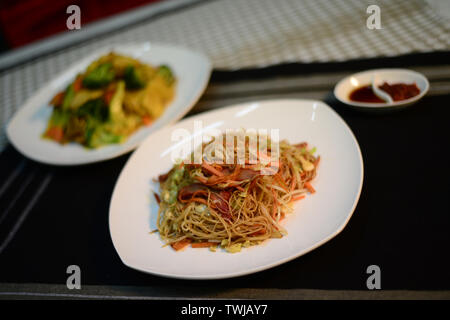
<point x="398" y="91"/>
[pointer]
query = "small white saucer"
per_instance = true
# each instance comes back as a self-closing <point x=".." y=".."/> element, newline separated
<point x="344" y="87"/>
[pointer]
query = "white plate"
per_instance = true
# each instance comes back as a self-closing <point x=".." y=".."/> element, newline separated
<point x="344" y="87"/>
<point x="26" y="127"/>
<point x="316" y="219"/>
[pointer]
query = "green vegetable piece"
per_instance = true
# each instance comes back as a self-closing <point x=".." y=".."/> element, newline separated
<point x="133" y="78"/>
<point x="90" y="129"/>
<point x="95" y="110"/>
<point x="177" y="175"/>
<point x="174" y="184"/>
<point x="99" y="77"/>
<point x="234" y="248"/>
<point x="167" y="74"/>
<point x="173" y="193"/>
<point x="59" y="118"/>
<point x="68" y="97"/>
<point x="98" y="136"/>
<point x="115" y="106"/>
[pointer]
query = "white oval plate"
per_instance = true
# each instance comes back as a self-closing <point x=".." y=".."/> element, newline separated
<point x="315" y="220"/>
<point x="25" y="129"/>
<point x="344" y="87"/>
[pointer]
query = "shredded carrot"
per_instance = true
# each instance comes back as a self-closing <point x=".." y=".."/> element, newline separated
<point x="58" y="99"/>
<point x="297" y="198"/>
<point x="55" y="133"/>
<point x="240" y="188"/>
<point x="282" y="168"/>
<point x="147" y="120"/>
<point x="309" y="187"/>
<point x="275" y="204"/>
<point x="180" y="244"/>
<point x="212" y="169"/>
<point x="77" y="84"/>
<point x="203" y="244"/>
<point x="281" y="182"/>
<point x="293" y="183"/>
<point x="301" y="145"/>
<point x="252" y="184"/>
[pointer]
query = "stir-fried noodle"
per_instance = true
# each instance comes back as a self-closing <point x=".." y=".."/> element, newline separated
<point x="233" y="205"/>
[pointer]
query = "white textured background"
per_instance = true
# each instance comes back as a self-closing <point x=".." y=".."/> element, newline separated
<point x="255" y="33"/>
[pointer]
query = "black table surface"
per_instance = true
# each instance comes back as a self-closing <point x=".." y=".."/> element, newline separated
<point x="401" y="222"/>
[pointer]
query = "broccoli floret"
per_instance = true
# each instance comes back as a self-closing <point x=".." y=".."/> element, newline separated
<point x="133" y="79"/>
<point x="98" y="136"/>
<point x="99" y="77"/>
<point x="95" y="113"/>
<point x="95" y="109"/>
<point x="167" y="74"/>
